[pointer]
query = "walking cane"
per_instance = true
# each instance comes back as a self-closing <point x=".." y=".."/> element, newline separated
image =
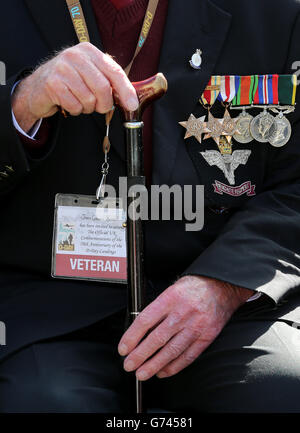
<point x="147" y="91"/>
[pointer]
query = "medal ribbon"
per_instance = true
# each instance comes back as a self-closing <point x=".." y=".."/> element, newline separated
<point x="265" y="91"/>
<point x="229" y="87"/>
<point x="244" y="94"/>
<point x="287" y="86"/>
<point x="211" y="91"/>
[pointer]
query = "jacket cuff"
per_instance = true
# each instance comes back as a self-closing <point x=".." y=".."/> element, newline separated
<point x="13" y="161"/>
<point x="206" y="266"/>
<point x="17" y="159"/>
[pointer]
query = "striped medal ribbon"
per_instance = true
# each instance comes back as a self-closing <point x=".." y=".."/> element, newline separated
<point x="211" y="91"/>
<point x="277" y="93"/>
<point x="287" y="87"/>
<point x="244" y="95"/>
<point x="265" y="91"/>
<point x="208" y="98"/>
<point x="244" y="99"/>
<point x="229" y="87"/>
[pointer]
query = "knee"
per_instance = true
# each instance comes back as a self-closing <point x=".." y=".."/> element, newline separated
<point x="36" y="396"/>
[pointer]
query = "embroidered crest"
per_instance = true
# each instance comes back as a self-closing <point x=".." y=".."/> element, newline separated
<point x="235" y="191"/>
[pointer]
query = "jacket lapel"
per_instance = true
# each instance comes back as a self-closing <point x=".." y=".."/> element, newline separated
<point x="54" y="22"/>
<point x="200" y="24"/>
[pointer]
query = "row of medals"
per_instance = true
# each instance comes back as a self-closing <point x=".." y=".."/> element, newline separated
<point x="264" y="128"/>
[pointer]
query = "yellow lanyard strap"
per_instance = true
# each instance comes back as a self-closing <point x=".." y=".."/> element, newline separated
<point x="78" y="20"/>
<point x="82" y="33"/>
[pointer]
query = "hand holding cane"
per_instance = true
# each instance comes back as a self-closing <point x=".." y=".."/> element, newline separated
<point x="147" y="91"/>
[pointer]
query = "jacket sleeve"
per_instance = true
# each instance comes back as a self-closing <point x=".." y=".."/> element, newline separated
<point x="15" y="161"/>
<point x="259" y="248"/>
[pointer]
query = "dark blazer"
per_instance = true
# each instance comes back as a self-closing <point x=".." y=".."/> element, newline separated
<point x="254" y="243"/>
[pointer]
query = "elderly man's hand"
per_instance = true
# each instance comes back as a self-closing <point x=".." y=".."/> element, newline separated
<point x="80" y="79"/>
<point x="181" y="323"/>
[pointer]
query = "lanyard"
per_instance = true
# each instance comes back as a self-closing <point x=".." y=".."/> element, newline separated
<point x="82" y="33"/>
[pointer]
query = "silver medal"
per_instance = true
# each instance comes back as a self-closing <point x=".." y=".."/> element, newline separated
<point x="283" y="131"/>
<point x="243" y="134"/>
<point x="263" y="127"/>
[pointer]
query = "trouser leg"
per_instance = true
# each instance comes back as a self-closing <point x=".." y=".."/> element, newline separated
<point x="253" y="366"/>
<point x="80" y="372"/>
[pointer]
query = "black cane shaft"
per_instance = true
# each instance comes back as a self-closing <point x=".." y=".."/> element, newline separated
<point x="135" y="150"/>
<point x="136" y="274"/>
<point x="139" y="397"/>
<point x="147" y="91"/>
<point x="136" y="268"/>
<point x="135" y="170"/>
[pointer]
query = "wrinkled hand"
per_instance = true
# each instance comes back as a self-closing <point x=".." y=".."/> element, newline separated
<point x="182" y="322"/>
<point x="80" y="79"/>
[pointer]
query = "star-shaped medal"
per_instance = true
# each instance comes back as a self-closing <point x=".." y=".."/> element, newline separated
<point x="229" y="125"/>
<point x="195" y="127"/>
<point x="215" y="127"/>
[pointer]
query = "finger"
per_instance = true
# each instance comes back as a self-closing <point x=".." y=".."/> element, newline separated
<point x="184" y="360"/>
<point x="93" y="78"/>
<point x="79" y="89"/>
<point x="154" y="341"/>
<point x="61" y="95"/>
<point x="175" y="347"/>
<point x="116" y="76"/>
<point x="150" y="316"/>
<point x="97" y="83"/>
<point x="99" y="86"/>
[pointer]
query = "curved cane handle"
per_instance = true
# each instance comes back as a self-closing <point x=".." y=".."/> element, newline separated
<point x="147" y="91"/>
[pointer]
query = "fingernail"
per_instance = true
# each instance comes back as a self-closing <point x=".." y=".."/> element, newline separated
<point x="129" y="365"/>
<point x="133" y="104"/>
<point x="162" y="374"/>
<point x="142" y="375"/>
<point x="123" y="349"/>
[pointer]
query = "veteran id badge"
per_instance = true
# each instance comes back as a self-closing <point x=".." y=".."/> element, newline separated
<point x="89" y="239"/>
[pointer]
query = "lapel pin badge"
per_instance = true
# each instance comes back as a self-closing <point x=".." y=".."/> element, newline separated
<point x="196" y="59"/>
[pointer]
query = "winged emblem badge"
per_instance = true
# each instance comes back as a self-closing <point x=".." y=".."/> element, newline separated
<point x="227" y="163"/>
